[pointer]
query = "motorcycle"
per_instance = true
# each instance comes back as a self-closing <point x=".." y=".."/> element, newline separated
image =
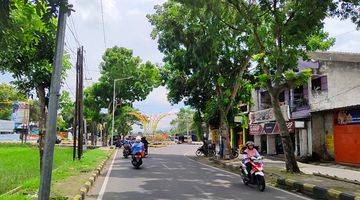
<point x="206" y="151"/>
<point x="137" y="160"/>
<point x="126" y="151"/>
<point x="257" y="174"/>
<point x="234" y="154"/>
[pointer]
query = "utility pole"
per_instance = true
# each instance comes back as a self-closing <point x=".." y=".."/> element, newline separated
<point x="80" y="102"/>
<point x="77" y="105"/>
<point x="47" y="160"/>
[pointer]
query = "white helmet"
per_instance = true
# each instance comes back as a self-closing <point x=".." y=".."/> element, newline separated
<point x="138" y="139"/>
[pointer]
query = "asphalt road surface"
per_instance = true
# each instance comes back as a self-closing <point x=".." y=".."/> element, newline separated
<point x="169" y="174"/>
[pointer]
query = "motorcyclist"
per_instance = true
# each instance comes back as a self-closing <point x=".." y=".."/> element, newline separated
<point x="138" y="146"/>
<point x="146" y="144"/>
<point x="250" y="152"/>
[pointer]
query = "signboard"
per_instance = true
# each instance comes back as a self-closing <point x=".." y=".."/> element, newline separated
<point x="237" y="119"/>
<point x="349" y="116"/>
<point x="268" y="115"/>
<point x="269" y="128"/>
<point x="299" y="124"/>
<point x="20" y="115"/>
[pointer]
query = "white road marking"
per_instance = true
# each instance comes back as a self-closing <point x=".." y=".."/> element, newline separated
<point x="228" y="172"/>
<point x="103" y="187"/>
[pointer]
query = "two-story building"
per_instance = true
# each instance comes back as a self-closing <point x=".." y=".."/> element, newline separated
<point x="323" y="115"/>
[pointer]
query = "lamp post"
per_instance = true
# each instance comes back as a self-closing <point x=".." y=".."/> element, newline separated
<point x="113" y="110"/>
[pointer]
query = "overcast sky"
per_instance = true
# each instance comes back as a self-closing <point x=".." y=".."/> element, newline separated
<point x="126" y="25"/>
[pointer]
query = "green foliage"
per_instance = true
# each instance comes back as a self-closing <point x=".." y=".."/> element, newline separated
<point x="205" y="58"/>
<point x="197" y="126"/>
<point x="67" y="109"/>
<point x="183" y="122"/>
<point x="135" y="80"/>
<point x="8" y="94"/>
<point x="27" y="45"/>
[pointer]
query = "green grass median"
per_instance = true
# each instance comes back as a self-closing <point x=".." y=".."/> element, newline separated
<point x="19" y="167"/>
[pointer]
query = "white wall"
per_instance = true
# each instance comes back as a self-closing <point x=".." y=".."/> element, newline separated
<point x="343" y="86"/>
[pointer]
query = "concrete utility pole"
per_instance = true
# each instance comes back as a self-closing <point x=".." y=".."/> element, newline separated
<point x="113" y="109"/>
<point x="47" y="160"/>
<point x="81" y="105"/>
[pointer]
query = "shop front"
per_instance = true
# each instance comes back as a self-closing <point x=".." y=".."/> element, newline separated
<point x="346" y="139"/>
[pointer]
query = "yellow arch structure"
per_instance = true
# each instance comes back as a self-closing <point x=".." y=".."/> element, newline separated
<point x="150" y="124"/>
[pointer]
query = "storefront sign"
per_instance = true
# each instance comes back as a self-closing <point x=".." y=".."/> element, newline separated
<point x="299" y="124"/>
<point x="349" y="116"/>
<point x="270" y="128"/>
<point x="268" y="115"/>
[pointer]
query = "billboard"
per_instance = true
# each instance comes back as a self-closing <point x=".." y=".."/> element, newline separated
<point x="270" y="128"/>
<point x="268" y="115"/>
<point x="20" y="115"/>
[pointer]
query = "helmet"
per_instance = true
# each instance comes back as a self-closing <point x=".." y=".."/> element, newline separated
<point x="248" y="143"/>
<point x="138" y="139"/>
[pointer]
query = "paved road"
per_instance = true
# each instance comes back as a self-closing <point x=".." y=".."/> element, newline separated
<point x="168" y="174"/>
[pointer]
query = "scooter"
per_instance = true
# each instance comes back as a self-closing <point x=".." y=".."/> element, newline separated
<point x="126" y="151"/>
<point x="137" y="160"/>
<point x="206" y="151"/>
<point x="257" y="174"/>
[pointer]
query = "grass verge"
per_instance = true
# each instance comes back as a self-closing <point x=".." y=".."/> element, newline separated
<point x="19" y="166"/>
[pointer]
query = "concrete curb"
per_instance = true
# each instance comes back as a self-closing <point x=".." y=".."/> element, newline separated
<point x="87" y="185"/>
<point x="311" y="190"/>
<point x="314" y="191"/>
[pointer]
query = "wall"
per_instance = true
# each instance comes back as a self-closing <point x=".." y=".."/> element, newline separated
<point x="343" y="86"/>
<point x="322" y="131"/>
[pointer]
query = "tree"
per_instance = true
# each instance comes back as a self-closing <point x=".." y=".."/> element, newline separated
<point x="206" y="58"/>
<point x="8" y="94"/>
<point x="183" y="122"/>
<point x="283" y="32"/>
<point x="347" y="9"/>
<point x="27" y="48"/>
<point x="135" y="81"/>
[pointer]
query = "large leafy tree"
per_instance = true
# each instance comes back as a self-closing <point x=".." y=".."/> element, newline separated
<point x="27" y="48"/>
<point x="66" y="107"/>
<point x="283" y="32"/>
<point x="136" y="80"/>
<point x="206" y="58"/>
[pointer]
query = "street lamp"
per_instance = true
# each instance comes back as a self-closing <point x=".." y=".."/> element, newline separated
<point x="113" y="110"/>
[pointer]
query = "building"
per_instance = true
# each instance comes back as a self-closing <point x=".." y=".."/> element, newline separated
<point x="335" y="107"/>
<point x="323" y="115"/>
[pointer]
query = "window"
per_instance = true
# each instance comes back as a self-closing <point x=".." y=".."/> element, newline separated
<point x="319" y="84"/>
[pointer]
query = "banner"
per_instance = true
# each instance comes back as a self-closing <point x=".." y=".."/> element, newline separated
<point x="20" y="115"/>
<point x="268" y="115"/>
<point x="349" y="116"/>
<point x="270" y="128"/>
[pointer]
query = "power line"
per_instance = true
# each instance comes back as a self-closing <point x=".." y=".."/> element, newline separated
<point x="103" y="23"/>
<point x="338" y="94"/>
<point x="344" y="33"/>
<point x="72" y="93"/>
<point x="73" y="34"/>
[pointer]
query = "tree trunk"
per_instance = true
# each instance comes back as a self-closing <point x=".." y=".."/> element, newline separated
<point x="42" y="121"/>
<point x="224" y="132"/>
<point x="291" y="164"/>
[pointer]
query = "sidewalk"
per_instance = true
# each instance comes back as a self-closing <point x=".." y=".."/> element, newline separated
<point x="335" y="171"/>
<point x="275" y="170"/>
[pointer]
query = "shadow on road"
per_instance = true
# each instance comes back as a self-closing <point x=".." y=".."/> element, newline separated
<point x="165" y="176"/>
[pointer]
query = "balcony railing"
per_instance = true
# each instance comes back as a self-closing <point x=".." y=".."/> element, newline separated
<point x="300" y="104"/>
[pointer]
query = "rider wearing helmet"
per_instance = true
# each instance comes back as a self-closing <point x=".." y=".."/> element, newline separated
<point x="250" y="152"/>
<point x="138" y="146"/>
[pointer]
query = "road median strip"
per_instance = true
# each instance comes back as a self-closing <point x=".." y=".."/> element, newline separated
<point x="84" y="189"/>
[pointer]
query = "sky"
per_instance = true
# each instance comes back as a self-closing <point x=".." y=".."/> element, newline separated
<point x="126" y="25"/>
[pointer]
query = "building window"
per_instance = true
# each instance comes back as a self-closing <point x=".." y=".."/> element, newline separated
<point x="319" y="84"/>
